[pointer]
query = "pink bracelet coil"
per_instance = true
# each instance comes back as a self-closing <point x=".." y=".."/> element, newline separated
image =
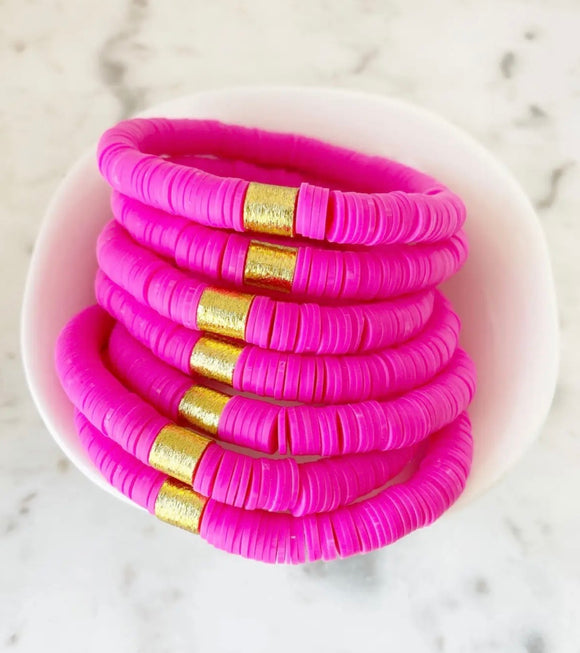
<point x="280" y="537"/>
<point x="299" y="430"/>
<point x="276" y="485"/>
<point x="302" y="270"/>
<point x="255" y="319"/>
<point x="399" y="205"/>
<point x="291" y="377"/>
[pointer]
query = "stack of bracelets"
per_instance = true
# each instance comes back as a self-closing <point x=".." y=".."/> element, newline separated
<point x="270" y="364"/>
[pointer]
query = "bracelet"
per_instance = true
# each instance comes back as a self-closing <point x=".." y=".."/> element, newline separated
<point x="400" y="205"/>
<point x="291" y="377"/>
<point x="302" y="270"/>
<point x="280" y="537"/>
<point x="271" y="484"/>
<point x="298" y="430"/>
<point x="255" y="319"/>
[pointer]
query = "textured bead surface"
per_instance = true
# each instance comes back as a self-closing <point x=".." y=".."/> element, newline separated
<point x="179" y="505"/>
<point x="270" y="266"/>
<point x="202" y="407"/>
<point x="269" y="209"/>
<point x="215" y="359"/>
<point x="177" y="452"/>
<point x="223" y="312"/>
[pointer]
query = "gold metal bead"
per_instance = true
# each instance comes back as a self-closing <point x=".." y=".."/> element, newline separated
<point x="177" y="450"/>
<point x="270" y="209"/>
<point x="202" y="407"/>
<point x="270" y="266"/>
<point x="215" y="359"/>
<point x="223" y="312"/>
<point x="179" y="505"/>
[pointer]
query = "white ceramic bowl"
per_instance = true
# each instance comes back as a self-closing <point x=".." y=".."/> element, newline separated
<point x="504" y="294"/>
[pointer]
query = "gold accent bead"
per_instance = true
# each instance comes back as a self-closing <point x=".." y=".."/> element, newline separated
<point x="179" y="505"/>
<point x="270" y="266"/>
<point x="223" y="312"/>
<point x="177" y="450"/>
<point x="270" y="209"/>
<point x="202" y="407"/>
<point x="215" y="359"/>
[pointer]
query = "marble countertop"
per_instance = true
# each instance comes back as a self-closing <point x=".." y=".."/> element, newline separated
<point x="80" y="571"/>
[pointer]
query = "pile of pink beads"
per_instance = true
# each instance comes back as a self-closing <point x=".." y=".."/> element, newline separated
<point x="270" y="364"/>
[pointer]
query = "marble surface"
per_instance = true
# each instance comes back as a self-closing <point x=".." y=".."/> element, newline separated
<point x="80" y="571"/>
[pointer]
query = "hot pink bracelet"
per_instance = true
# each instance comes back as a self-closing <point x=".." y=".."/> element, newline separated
<point x="291" y="377"/>
<point x="280" y="537"/>
<point x="255" y="319"/>
<point x="271" y="484"/>
<point x="302" y="270"/>
<point x="299" y="430"/>
<point x="400" y="205"/>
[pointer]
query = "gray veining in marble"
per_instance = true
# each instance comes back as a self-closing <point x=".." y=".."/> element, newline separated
<point x="79" y="571"/>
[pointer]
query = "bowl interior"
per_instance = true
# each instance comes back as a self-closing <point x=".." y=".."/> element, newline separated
<point x="504" y="294"/>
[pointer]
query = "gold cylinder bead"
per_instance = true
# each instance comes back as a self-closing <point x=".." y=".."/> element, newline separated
<point x="270" y="209"/>
<point x="270" y="266"/>
<point x="202" y="407"/>
<point x="177" y="450"/>
<point x="223" y="312"/>
<point x="215" y="359"/>
<point x="179" y="505"/>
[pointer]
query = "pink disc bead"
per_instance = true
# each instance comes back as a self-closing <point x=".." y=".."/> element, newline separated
<point x="128" y="475"/>
<point x="116" y="412"/>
